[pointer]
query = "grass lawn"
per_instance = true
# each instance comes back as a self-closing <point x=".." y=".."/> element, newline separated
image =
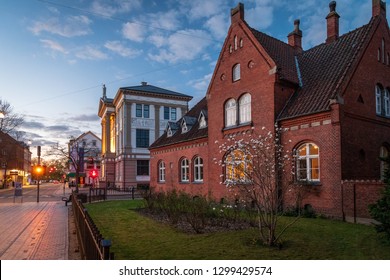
<point x="137" y="237"/>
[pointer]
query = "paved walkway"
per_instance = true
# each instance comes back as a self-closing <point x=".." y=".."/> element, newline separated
<point x="33" y="231"/>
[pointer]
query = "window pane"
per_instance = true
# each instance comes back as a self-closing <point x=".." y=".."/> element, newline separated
<point x="313" y="150"/>
<point x="138" y="110"/>
<point x="142" y="138"/>
<point x="142" y="167"/>
<point x="166" y="113"/>
<point x="146" y="111"/>
<point x="302" y="151"/>
<point x="173" y="114"/>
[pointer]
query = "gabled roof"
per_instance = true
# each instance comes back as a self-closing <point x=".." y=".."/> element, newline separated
<point x="145" y="88"/>
<point x="282" y="53"/>
<point x="193" y="133"/>
<point x="323" y="70"/>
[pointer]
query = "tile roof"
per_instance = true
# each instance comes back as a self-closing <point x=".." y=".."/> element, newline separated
<point x="322" y="70"/>
<point x="145" y="88"/>
<point x="194" y="131"/>
<point x="282" y="53"/>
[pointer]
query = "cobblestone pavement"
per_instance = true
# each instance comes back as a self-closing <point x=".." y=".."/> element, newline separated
<point x="34" y="231"/>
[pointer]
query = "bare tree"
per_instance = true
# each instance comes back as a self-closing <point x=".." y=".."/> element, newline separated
<point x="9" y="121"/>
<point x="253" y="167"/>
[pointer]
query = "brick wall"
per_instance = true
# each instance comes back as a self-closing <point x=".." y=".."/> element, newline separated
<point x="358" y="195"/>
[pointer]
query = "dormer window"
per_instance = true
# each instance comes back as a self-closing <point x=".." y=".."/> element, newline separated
<point x="169" y="132"/>
<point x="202" y="122"/>
<point x="184" y="127"/>
<point x="202" y="119"/>
<point x="172" y="127"/>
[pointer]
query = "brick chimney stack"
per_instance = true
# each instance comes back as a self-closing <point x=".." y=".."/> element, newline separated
<point x="378" y="8"/>
<point x="295" y="37"/>
<point x="237" y="13"/>
<point x="332" y="22"/>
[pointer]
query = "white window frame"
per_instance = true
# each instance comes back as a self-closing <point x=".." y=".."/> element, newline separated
<point x="161" y="171"/>
<point x="236" y="72"/>
<point x="386" y="102"/>
<point x="307" y="158"/>
<point x="184" y="170"/>
<point x="245" y="108"/>
<point x="233" y="160"/>
<point x="198" y="169"/>
<point x="231" y="113"/>
<point x="378" y="99"/>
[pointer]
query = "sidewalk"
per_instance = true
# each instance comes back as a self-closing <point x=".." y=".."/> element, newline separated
<point x="34" y="231"/>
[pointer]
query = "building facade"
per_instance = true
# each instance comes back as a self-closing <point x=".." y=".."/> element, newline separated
<point x="131" y="121"/>
<point x="332" y="102"/>
<point x="85" y="157"/>
<point x="15" y="161"/>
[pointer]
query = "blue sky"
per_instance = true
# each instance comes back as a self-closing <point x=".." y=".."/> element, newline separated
<point x="56" y="55"/>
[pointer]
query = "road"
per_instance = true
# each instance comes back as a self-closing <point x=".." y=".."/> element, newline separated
<point x="47" y="192"/>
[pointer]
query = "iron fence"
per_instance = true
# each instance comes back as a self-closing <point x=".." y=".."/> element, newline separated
<point x="92" y="244"/>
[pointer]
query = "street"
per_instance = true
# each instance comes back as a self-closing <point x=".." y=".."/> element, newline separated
<point x="47" y="192"/>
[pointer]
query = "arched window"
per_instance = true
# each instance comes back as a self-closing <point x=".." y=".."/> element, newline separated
<point x="386" y="103"/>
<point x="236" y="72"/>
<point x="238" y="167"/>
<point x="245" y="108"/>
<point x="384" y="153"/>
<point x="184" y="170"/>
<point x="378" y="98"/>
<point x="161" y="171"/>
<point x="308" y="163"/>
<point x="230" y="113"/>
<point x="198" y="169"/>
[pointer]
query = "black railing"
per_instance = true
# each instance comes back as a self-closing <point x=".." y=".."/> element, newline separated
<point x="112" y="193"/>
<point x="92" y="244"/>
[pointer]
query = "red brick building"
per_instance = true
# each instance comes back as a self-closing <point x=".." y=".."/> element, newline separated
<point x="333" y="101"/>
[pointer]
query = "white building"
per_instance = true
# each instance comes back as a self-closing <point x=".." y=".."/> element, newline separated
<point x="131" y="121"/>
<point x="85" y="154"/>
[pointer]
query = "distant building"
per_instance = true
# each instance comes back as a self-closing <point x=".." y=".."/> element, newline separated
<point x="15" y="161"/>
<point x="85" y="154"/>
<point x="332" y="101"/>
<point x="131" y="121"/>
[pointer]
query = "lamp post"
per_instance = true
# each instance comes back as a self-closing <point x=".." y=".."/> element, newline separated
<point x="38" y="170"/>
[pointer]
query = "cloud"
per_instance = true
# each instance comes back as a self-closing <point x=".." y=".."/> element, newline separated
<point x="202" y="8"/>
<point x="33" y="125"/>
<point x="85" y="118"/>
<point x="71" y="26"/>
<point x="133" y="32"/>
<point x="183" y="45"/>
<point x="118" y="48"/>
<point x="260" y="17"/>
<point x="91" y="53"/>
<point x="55" y="46"/>
<point x="218" y="25"/>
<point x="201" y="84"/>
<point x="111" y="8"/>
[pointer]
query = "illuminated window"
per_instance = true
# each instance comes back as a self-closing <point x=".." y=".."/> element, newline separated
<point x="238" y="167"/>
<point x="112" y="133"/>
<point x="231" y="113"/>
<point x="245" y="108"/>
<point x="184" y="170"/>
<point x="308" y="163"/>
<point x="161" y="171"/>
<point x="198" y="169"/>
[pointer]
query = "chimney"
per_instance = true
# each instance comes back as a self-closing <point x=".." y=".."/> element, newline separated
<point x="332" y="22"/>
<point x="378" y="8"/>
<point x="295" y="37"/>
<point x="237" y="13"/>
<point x="144" y="83"/>
<point x="104" y="92"/>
